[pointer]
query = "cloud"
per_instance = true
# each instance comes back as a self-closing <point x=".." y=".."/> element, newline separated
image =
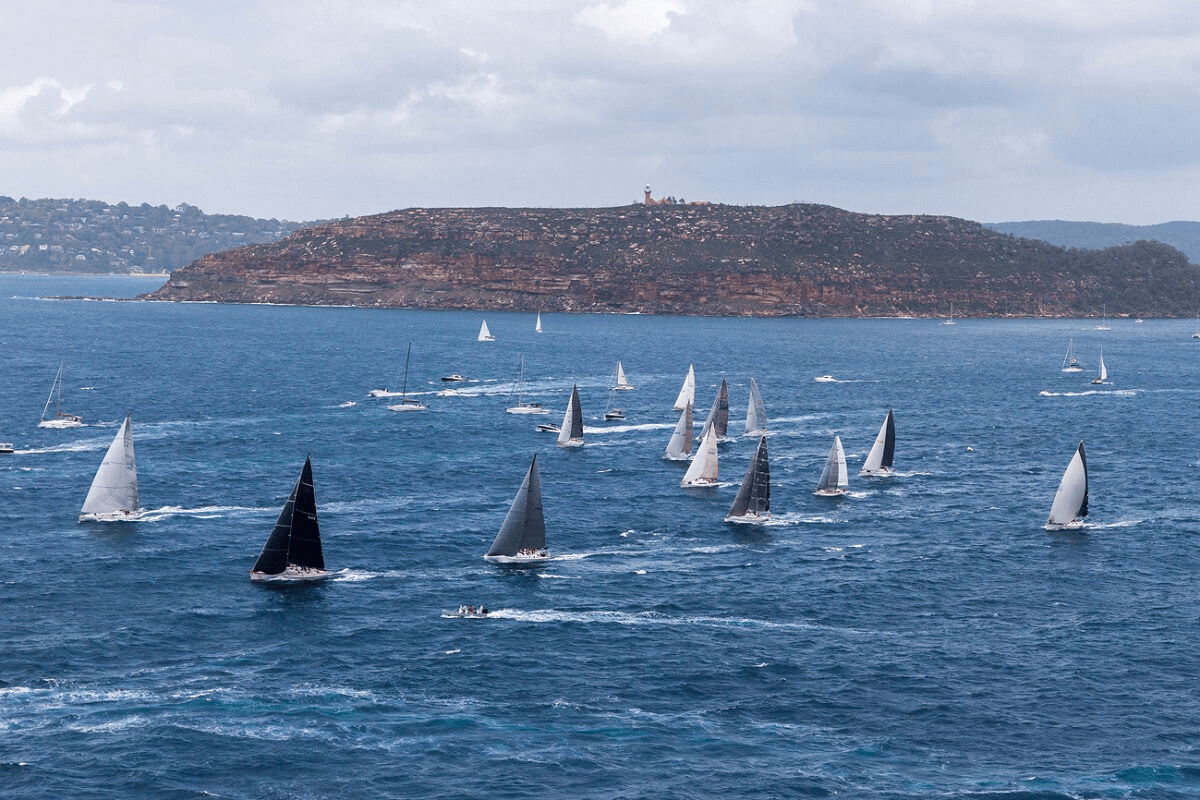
<point x="635" y="21"/>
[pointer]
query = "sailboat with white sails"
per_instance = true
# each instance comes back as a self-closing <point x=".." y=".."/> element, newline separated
<point x="570" y="433"/>
<point x="753" y="500"/>
<point x="1103" y="326"/>
<point x="680" y="446"/>
<point x="408" y="403"/>
<point x="718" y="415"/>
<point x="703" y="471"/>
<point x="113" y="496"/>
<point x="950" y="321"/>
<point x="1070" y="504"/>
<point x="834" y="482"/>
<point x="293" y="550"/>
<point x="879" y="460"/>
<point x="522" y="537"/>
<point x="61" y="419"/>
<point x="537" y="327"/>
<point x="756" y="412"/>
<point x="687" y="392"/>
<point x="1102" y="373"/>
<point x="1070" y="362"/>
<point x="523" y="407"/>
<point x="484" y="334"/>
<point x="620" y="384"/>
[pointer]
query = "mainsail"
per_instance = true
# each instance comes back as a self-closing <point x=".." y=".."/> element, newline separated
<point x="879" y="460"/>
<point x="756" y="413"/>
<point x="484" y="334"/>
<point x="296" y="538"/>
<point x="1070" y="504"/>
<point x="687" y="392"/>
<point x="622" y="383"/>
<point x="537" y="328"/>
<point x="524" y="528"/>
<point x="570" y="434"/>
<point x="680" y="446"/>
<point x="718" y="415"/>
<point x="61" y="419"/>
<point x="703" y="469"/>
<point x="1102" y="375"/>
<point x="753" y="500"/>
<point x="114" y="491"/>
<point x="833" y="477"/>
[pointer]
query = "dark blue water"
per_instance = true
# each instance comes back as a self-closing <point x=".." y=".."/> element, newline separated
<point x="922" y="638"/>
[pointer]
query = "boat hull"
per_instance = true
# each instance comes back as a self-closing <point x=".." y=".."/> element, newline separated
<point x="831" y="492"/>
<point x="700" y="484"/>
<point x="571" y="442"/>
<point x="292" y="573"/>
<point x="749" y="518"/>
<point x="517" y="561"/>
<point x="111" y="516"/>
<point x="60" y="423"/>
<point x="883" y="472"/>
<point x="408" y="407"/>
<point x="526" y="409"/>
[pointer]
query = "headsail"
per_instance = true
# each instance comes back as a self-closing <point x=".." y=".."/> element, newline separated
<point x="687" y="392"/>
<point x="680" y="446"/>
<point x="718" y="415"/>
<point x="1102" y="375"/>
<point x="571" y="432"/>
<point x="703" y="469"/>
<point x="114" y="491"/>
<point x="753" y="500"/>
<point x="1070" y="504"/>
<point x="756" y="413"/>
<point x="833" y="477"/>
<point x="524" y="528"/>
<point x="879" y="460"/>
<point x="622" y="383"/>
<point x="296" y="538"/>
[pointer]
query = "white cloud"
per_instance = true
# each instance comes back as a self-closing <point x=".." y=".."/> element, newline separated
<point x="635" y="22"/>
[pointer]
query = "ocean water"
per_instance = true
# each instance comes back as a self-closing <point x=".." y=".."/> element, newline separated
<point x="924" y="637"/>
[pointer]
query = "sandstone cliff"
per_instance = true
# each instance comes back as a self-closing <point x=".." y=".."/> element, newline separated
<point x="697" y="259"/>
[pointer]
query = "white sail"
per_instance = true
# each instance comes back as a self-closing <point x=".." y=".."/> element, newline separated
<point x="114" y="492"/>
<point x="522" y="407"/>
<point x="622" y="383"/>
<point x="879" y="460"/>
<point x="687" y="392"/>
<point x="680" y="446"/>
<point x="1102" y="375"/>
<point x="538" y="327"/>
<point x="756" y="413"/>
<point x="61" y="419"/>
<point x="1070" y="504"/>
<point x="703" y="469"/>
<point x="484" y="334"/>
<point x="570" y="434"/>
<point x="833" y="477"/>
<point x="1070" y="362"/>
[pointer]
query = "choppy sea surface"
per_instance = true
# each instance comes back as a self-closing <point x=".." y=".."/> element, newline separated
<point x="924" y="637"/>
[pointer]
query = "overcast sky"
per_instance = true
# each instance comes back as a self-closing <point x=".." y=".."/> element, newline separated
<point x="993" y="110"/>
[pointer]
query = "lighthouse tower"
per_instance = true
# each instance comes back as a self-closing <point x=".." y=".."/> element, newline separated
<point x="649" y="201"/>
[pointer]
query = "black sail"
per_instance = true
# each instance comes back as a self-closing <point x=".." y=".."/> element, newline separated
<point x="576" y="418"/>
<point x="889" y="442"/>
<point x="525" y="526"/>
<point x="718" y="415"/>
<point x="754" y="495"/>
<point x="296" y="537"/>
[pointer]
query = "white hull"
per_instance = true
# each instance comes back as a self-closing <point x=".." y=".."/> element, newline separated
<point x="548" y="427"/>
<point x="383" y="393"/>
<point x="825" y="379"/>
<point x="1073" y="525"/>
<point x="750" y="518"/>
<point x="292" y="573"/>
<point x="685" y="457"/>
<point x="112" y="516"/>
<point x="464" y="615"/>
<point x="455" y="378"/>
<point x="517" y="561"/>
<point x="831" y="492"/>
<point x="60" y="423"/>
<point x="700" y="483"/>
<point x="526" y="409"/>
<point x="883" y="472"/>
<point x="408" y="407"/>
<point x="1072" y="369"/>
<point x="571" y="442"/>
<point x="623" y="387"/>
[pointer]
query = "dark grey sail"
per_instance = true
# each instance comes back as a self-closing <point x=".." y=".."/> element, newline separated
<point x="296" y="537"/>
<point x="525" y="526"/>
<point x="718" y="416"/>
<point x="754" y="495"/>
<point x="889" y="442"/>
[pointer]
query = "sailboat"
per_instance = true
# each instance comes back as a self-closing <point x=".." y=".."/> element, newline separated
<point x="570" y="433"/>
<point x="753" y="500"/>
<point x="537" y="328"/>
<point x="114" y="492"/>
<point x="680" y="446"/>
<point x="61" y="419"/>
<point x="293" y="550"/>
<point x="407" y="403"/>
<point x="1103" y="326"/>
<point x="1102" y="375"/>
<point x="1070" y="362"/>
<point x="950" y="321"/>
<point x="756" y="413"/>
<point x="1196" y="334"/>
<point x="879" y="460"/>
<point x="1070" y="504"/>
<point x="718" y="415"/>
<point x="833" y="481"/>
<point x="522" y="537"/>
<point x="687" y="392"/>
<point x="521" y="407"/>
<point x="622" y="384"/>
<point x="484" y="334"/>
<point x="703" y="471"/>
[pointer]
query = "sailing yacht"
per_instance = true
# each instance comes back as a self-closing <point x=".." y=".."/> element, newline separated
<point x="718" y="415"/>
<point x="407" y="403"/>
<point x="950" y="321"/>
<point x="703" y="471"/>
<point x="113" y="495"/>
<point x="621" y="383"/>
<point x="61" y="419"/>
<point x="753" y="500"/>
<point x="1103" y="326"/>
<point x="687" y="392"/>
<point x="680" y="446"/>
<point x="537" y="328"/>
<point x="484" y="334"/>
<point x="522" y="537"/>
<point x="570" y="433"/>
<point x="833" y="482"/>
<point x="879" y="460"/>
<point x="522" y="407"/>
<point x="1196" y="334"/>
<point x="756" y="413"/>
<point x="1102" y="374"/>
<point x="1070" y="362"/>
<point x="1070" y="504"/>
<point x="293" y="550"/>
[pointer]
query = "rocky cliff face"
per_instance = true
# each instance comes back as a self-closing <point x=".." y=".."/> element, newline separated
<point x="702" y="259"/>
